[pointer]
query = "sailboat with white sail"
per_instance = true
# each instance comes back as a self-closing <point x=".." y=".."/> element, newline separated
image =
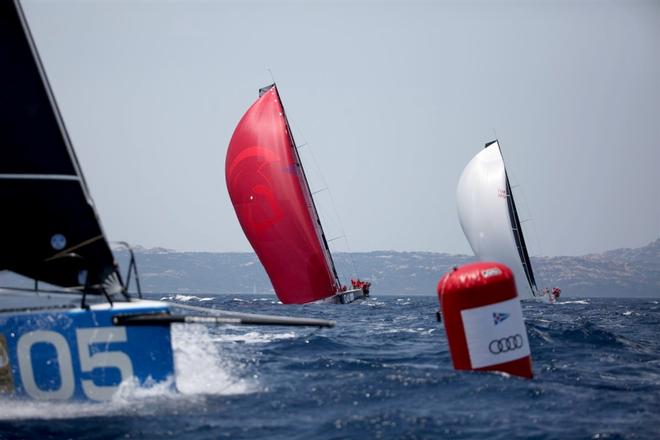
<point x="489" y="217"/>
<point x="274" y="205"/>
<point x="78" y="333"/>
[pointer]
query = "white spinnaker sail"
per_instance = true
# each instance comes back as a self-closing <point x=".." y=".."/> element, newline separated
<point x="484" y="214"/>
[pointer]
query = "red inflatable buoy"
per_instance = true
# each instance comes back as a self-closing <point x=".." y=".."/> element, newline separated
<point x="483" y="319"/>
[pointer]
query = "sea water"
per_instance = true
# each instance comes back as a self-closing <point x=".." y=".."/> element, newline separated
<point x="383" y="372"/>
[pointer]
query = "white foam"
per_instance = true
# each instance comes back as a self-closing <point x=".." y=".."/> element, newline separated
<point x="420" y="331"/>
<point x="254" y="337"/>
<point x="130" y="397"/>
<point x="185" y="298"/>
<point x="200" y="366"/>
<point x="13" y="409"/>
<point x="579" y="301"/>
<point x="130" y="390"/>
<point x="256" y="300"/>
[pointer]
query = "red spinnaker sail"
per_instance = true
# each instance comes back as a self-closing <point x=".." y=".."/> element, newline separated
<point x="272" y="201"/>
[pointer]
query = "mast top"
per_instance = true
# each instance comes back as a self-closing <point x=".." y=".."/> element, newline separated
<point x="488" y="144"/>
<point x="266" y="89"/>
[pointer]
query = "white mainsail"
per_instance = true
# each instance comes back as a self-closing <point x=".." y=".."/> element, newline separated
<point x="488" y="216"/>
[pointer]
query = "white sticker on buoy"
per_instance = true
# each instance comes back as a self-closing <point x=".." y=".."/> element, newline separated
<point x="495" y="333"/>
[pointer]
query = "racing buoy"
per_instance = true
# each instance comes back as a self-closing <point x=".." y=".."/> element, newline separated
<point x="483" y="319"/>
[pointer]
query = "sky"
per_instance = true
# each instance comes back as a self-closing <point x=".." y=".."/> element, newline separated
<point x="393" y="99"/>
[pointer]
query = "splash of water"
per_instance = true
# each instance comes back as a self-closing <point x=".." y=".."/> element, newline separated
<point x="186" y="298"/>
<point x="255" y="337"/>
<point x="201" y="368"/>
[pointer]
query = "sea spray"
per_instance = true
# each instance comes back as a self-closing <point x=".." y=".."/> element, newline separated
<point x="130" y="398"/>
<point x="202" y="367"/>
<point x="254" y="337"/>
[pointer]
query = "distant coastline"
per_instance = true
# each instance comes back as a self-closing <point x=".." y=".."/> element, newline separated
<point x="616" y="273"/>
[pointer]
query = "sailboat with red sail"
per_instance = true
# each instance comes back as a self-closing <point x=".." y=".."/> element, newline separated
<point x="274" y="205"/>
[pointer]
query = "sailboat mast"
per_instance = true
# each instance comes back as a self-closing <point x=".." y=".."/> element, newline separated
<point x="517" y="230"/>
<point x="520" y="240"/>
<point x="308" y="195"/>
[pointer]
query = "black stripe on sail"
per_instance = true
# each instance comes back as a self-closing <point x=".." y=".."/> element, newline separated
<point x="49" y="229"/>
<point x="519" y="238"/>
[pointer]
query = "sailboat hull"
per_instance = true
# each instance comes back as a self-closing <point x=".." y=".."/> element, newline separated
<point x="346" y="297"/>
<point x="61" y="353"/>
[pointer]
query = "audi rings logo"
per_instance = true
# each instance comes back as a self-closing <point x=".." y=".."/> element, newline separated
<point x="503" y="345"/>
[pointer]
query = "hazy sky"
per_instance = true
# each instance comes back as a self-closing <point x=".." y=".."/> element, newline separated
<point x="394" y="98"/>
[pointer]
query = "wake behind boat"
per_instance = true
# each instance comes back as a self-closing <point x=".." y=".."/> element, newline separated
<point x="84" y="335"/>
<point x="274" y="205"/>
<point x="489" y="218"/>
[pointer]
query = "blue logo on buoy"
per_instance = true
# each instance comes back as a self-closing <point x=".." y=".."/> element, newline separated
<point x="58" y="242"/>
<point x="499" y="317"/>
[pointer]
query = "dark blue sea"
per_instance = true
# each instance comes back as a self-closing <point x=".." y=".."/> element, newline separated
<point x="383" y="372"/>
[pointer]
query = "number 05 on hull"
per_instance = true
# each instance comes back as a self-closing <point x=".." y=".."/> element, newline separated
<point x="80" y="353"/>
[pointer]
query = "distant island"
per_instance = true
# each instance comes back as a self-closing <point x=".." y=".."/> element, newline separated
<point x="616" y="273"/>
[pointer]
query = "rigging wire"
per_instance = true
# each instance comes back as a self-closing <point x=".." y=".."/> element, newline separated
<point x="337" y="218"/>
<point x="537" y="242"/>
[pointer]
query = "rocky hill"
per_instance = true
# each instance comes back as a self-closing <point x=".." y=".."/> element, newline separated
<point x="620" y="272"/>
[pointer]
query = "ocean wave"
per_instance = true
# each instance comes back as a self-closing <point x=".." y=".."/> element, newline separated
<point x="186" y="298"/>
<point x="254" y="337"/>
<point x="418" y="330"/>
<point x="385" y="372"/>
